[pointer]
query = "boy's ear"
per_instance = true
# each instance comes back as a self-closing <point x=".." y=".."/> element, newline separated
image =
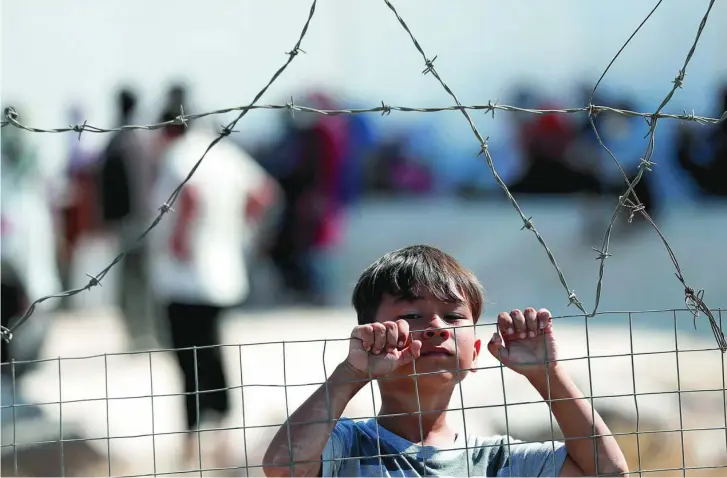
<point x="475" y="354"/>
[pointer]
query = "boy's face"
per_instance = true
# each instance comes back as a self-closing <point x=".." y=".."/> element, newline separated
<point x="445" y="350"/>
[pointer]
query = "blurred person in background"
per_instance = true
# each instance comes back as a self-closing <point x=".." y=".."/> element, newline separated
<point x="393" y="171"/>
<point x="619" y="133"/>
<point x="29" y="264"/>
<point x="544" y="140"/>
<point x="13" y="302"/>
<point x="704" y="158"/>
<point x="177" y="96"/>
<point x="29" y="270"/>
<point x="308" y="163"/>
<point x="627" y="144"/>
<point x="361" y="143"/>
<point x="77" y="206"/>
<point x="124" y="181"/>
<point x="174" y="100"/>
<point x="197" y="262"/>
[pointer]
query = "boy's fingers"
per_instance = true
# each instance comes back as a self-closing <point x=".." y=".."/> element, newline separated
<point x="403" y="338"/>
<point x="411" y="352"/>
<point x="545" y="320"/>
<point x="531" y="322"/>
<point x="365" y="334"/>
<point x="392" y="335"/>
<point x="379" y="337"/>
<point x="504" y="322"/>
<point x="497" y="348"/>
<point x="518" y="321"/>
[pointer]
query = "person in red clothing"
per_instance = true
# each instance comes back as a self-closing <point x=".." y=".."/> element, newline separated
<point x="312" y="153"/>
<point x="544" y="141"/>
<point x="77" y="210"/>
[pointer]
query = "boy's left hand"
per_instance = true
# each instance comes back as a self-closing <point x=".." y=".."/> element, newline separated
<point x="525" y="341"/>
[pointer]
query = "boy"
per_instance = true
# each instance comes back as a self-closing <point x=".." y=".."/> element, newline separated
<point x="424" y="290"/>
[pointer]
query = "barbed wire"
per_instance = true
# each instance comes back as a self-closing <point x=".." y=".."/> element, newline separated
<point x="12" y="118"/>
<point x="693" y="299"/>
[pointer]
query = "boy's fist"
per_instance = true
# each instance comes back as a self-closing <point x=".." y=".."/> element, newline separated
<point x="379" y="348"/>
<point x="525" y="341"/>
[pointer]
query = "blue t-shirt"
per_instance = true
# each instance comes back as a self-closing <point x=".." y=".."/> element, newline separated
<point x="354" y="449"/>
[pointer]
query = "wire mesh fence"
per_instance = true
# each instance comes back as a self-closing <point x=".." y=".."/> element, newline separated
<point x="671" y="403"/>
<point x="661" y="393"/>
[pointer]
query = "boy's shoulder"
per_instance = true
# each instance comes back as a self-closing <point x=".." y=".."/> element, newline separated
<point x="369" y="428"/>
<point x="490" y="455"/>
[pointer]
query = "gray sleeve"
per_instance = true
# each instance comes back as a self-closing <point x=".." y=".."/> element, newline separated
<point x="536" y="459"/>
<point x="337" y="447"/>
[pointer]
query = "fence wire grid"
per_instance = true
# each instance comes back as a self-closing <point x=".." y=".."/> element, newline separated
<point x="663" y="416"/>
<point x="628" y="202"/>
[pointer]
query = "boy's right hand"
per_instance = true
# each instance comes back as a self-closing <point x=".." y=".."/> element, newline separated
<point x="379" y="348"/>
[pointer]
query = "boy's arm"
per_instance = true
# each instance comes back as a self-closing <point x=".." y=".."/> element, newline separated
<point x="529" y="349"/>
<point x="576" y="418"/>
<point x="368" y="357"/>
<point x="308" y="440"/>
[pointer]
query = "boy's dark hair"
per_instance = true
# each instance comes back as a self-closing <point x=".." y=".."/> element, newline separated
<point x="404" y="272"/>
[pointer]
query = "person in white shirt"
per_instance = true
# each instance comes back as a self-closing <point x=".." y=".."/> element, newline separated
<point x="28" y="253"/>
<point x="197" y="260"/>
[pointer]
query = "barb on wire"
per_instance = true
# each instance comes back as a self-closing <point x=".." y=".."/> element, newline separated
<point x="12" y="117"/>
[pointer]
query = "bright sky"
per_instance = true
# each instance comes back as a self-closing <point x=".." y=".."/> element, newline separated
<point x="57" y="53"/>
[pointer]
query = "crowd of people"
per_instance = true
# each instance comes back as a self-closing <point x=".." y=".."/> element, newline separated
<point x="561" y="154"/>
<point x="285" y="200"/>
<point x="294" y="193"/>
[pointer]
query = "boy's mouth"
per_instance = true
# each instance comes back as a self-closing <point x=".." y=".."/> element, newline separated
<point x="437" y="351"/>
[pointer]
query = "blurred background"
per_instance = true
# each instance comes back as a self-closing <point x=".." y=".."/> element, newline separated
<point x="270" y="235"/>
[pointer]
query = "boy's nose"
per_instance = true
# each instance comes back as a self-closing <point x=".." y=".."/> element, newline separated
<point x="442" y="333"/>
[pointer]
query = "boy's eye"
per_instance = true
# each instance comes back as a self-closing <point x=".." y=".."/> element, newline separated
<point x="448" y="318"/>
<point x="410" y="317"/>
<point x="453" y="317"/>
